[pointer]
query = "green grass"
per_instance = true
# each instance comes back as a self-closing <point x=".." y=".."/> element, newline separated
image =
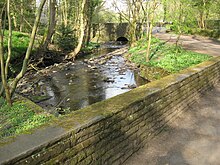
<point x="20" y="43"/>
<point x="165" y="56"/>
<point x="22" y="117"/>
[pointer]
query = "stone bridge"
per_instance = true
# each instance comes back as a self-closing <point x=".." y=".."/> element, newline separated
<point x="110" y="32"/>
<point x="117" y="31"/>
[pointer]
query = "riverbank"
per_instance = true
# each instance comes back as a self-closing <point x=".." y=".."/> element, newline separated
<point x="165" y="58"/>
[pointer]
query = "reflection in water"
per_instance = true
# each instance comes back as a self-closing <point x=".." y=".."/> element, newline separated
<point x="79" y="86"/>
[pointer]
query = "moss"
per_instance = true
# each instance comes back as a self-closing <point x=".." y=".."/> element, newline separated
<point x="152" y="73"/>
<point x="21" y="118"/>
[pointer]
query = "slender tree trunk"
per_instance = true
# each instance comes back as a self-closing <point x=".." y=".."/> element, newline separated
<point x="64" y="13"/>
<point x="22" y="16"/>
<point x="29" y="49"/>
<point x="3" y="76"/>
<point x="202" y="20"/>
<point x="89" y="33"/>
<point x="9" y="39"/>
<point x="180" y="22"/>
<point x="15" y="21"/>
<point x="149" y="41"/>
<point x="165" y="10"/>
<point x="150" y="31"/>
<point x="15" y="18"/>
<point x="82" y="28"/>
<point x="148" y="22"/>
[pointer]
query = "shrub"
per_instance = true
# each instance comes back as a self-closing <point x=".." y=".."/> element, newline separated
<point x="65" y="38"/>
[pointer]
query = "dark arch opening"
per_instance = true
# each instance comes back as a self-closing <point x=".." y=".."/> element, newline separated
<point x="122" y="40"/>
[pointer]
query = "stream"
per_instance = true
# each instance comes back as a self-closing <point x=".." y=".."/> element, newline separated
<point x="80" y="85"/>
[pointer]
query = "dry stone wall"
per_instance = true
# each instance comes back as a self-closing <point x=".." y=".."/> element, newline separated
<point x="110" y="131"/>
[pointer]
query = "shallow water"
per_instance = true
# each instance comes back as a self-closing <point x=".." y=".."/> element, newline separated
<point x="79" y="85"/>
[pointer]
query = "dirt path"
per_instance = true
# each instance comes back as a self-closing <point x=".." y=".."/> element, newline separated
<point x="193" y="140"/>
<point x="197" y="44"/>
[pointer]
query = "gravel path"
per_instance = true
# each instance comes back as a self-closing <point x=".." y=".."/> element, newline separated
<point x="194" y="137"/>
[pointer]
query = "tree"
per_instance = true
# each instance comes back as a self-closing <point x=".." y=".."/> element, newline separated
<point x="203" y="8"/>
<point x="73" y="54"/>
<point x="3" y="68"/>
<point x="92" y="9"/>
<point x="51" y="25"/>
<point x="151" y="19"/>
<point x="10" y="89"/>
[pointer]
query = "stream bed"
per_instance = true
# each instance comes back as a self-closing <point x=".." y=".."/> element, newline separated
<point x="80" y="84"/>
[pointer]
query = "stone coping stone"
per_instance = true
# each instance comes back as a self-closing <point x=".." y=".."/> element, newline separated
<point x="25" y="144"/>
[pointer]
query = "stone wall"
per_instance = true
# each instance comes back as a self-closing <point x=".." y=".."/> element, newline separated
<point x="109" y="31"/>
<point x="110" y="131"/>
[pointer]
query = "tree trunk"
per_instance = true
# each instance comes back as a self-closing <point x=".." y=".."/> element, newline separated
<point x="165" y="11"/>
<point x="149" y="41"/>
<point x="89" y="22"/>
<point x="150" y="30"/>
<point x="3" y="76"/>
<point x="202" y="20"/>
<point x="52" y="24"/>
<point x="9" y="39"/>
<point x="14" y="20"/>
<point x="64" y="13"/>
<point x="22" y="16"/>
<point x="29" y="49"/>
<point x="73" y="54"/>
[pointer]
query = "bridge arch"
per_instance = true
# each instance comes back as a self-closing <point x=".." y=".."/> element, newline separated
<point x="122" y="40"/>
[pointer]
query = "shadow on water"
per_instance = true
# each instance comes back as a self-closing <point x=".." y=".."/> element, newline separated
<point x="79" y="85"/>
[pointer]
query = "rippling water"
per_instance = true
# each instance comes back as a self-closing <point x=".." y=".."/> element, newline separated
<point x="79" y="85"/>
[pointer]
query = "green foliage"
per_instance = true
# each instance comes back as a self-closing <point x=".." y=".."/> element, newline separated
<point x="20" y="43"/>
<point x="168" y="57"/>
<point x="175" y="61"/>
<point x="209" y="33"/>
<point x="138" y="52"/>
<point x="19" y="119"/>
<point x="90" y="46"/>
<point x="65" y="38"/>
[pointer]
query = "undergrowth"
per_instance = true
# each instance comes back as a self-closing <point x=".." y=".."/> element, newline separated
<point x="20" y="118"/>
<point x="20" y="43"/>
<point x="165" y="56"/>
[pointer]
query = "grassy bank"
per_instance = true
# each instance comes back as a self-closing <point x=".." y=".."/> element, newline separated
<point x="20" y="43"/>
<point x="22" y="117"/>
<point x="168" y="57"/>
